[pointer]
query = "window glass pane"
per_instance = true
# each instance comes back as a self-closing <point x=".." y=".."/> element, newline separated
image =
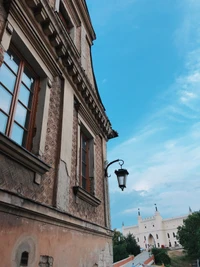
<point x="3" y="122"/>
<point x="83" y="170"/>
<point x="27" y="78"/>
<point x="83" y="155"/>
<point x="17" y="134"/>
<point x="12" y="61"/>
<point x="84" y="143"/>
<point x="5" y="99"/>
<point x="24" y="95"/>
<point x="84" y="183"/>
<point x="21" y="114"/>
<point x="24" y="259"/>
<point x="7" y="77"/>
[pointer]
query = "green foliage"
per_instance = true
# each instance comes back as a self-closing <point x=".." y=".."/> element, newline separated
<point x="124" y="246"/>
<point x="131" y="245"/>
<point x="156" y="251"/>
<point x="189" y="235"/>
<point x="119" y="252"/>
<point x="161" y="256"/>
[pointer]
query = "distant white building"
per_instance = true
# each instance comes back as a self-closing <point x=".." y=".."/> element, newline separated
<point x="155" y="231"/>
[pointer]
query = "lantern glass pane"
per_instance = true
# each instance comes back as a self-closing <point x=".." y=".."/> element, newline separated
<point x="120" y="180"/>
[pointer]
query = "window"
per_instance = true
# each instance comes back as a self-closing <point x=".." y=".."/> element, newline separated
<point x="153" y="225"/>
<point x="24" y="259"/>
<point x="18" y="93"/>
<point x="86" y="162"/>
<point x="170" y="244"/>
<point x="168" y="235"/>
<point x="157" y="236"/>
<point x="138" y="240"/>
<point x="158" y="245"/>
<point x="145" y="238"/>
<point x="174" y="235"/>
<point x="66" y="21"/>
<point x="145" y="226"/>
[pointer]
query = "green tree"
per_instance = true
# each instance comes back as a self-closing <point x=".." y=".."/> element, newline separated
<point x="189" y="235"/>
<point x="119" y="246"/>
<point x="160" y="256"/>
<point x="124" y="246"/>
<point x="131" y="245"/>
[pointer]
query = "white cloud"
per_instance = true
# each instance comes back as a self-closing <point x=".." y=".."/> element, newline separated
<point x="163" y="155"/>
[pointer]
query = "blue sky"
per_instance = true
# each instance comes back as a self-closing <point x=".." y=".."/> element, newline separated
<point x="147" y="65"/>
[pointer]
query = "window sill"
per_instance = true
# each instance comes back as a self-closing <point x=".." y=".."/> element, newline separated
<point x="84" y="195"/>
<point x="21" y="155"/>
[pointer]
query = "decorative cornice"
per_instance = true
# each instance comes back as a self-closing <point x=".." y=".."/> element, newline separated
<point x="69" y="59"/>
<point x="82" y="6"/>
<point x="33" y="210"/>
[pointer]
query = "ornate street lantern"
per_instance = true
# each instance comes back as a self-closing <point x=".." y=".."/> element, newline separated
<point x="121" y="174"/>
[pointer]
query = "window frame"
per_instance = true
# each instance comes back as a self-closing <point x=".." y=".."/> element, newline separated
<point x="65" y="18"/>
<point x="85" y="162"/>
<point x="157" y="236"/>
<point x="90" y="158"/>
<point x="29" y="129"/>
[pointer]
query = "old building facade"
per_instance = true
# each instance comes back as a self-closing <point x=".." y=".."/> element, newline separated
<point x="54" y="205"/>
<point x="155" y="231"/>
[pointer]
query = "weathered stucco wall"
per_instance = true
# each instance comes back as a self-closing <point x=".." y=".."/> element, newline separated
<point x="67" y="246"/>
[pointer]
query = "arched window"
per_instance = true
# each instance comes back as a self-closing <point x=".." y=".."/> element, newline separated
<point x="168" y="235"/>
<point x="24" y="259"/>
<point x="157" y="236"/>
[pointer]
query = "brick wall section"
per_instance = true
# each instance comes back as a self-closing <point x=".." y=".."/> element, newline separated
<point x="149" y="260"/>
<point x="52" y="144"/>
<point x="99" y="179"/>
<point x="122" y="262"/>
<point x="89" y="70"/>
<point x="82" y="209"/>
<point x="16" y="178"/>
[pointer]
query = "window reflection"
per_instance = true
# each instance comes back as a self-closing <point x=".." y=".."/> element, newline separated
<point x="17" y="134"/>
<point x="27" y="79"/>
<point x="3" y="120"/>
<point x="20" y="115"/>
<point x="5" y="99"/>
<point x="12" y="61"/>
<point x="24" y="95"/>
<point x="16" y="98"/>
<point x="7" y="78"/>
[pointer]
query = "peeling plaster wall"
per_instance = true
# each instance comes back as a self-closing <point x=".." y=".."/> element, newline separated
<point x="68" y="247"/>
